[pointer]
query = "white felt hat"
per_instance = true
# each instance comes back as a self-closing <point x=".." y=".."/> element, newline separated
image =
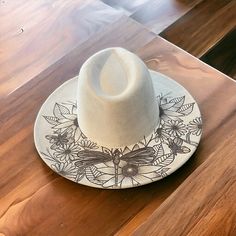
<point x="116" y="99"/>
<point x="117" y="124"/>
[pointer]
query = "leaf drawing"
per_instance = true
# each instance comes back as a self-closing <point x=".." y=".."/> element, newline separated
<point x="149" y="159"/>
<point x="159" y="151"/>
<point x="164" y="160"/>
<point x="51" y="120"/>
<point x="186" y="109"/>
<point x="59" y="110"/>
<point x="178" y="102"/>
<point x="92" y="174"/>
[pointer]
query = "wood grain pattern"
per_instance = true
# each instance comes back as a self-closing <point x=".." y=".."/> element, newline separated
<point x="128" y="7"/>
<point x="223" y="55"/>
<point x="29" y="186"/>
<point x="202" y="27"/>
<point x="35" y="34"/>
<point x="65" y="208"/>
<point x="213" y="91"/>
<point x="196" y="26"/>
<point x="158" y="15"/>
<point x="185" y="212"/>
<point x="36" y="201"/>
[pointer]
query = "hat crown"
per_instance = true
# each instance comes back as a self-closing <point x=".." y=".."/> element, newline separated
<point x="116" y="101"/>
<point x="112" y="77"/>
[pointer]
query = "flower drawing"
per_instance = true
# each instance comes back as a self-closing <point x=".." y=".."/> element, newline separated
<point x="68" y="152"/>
<point x="65" y="169"/>
<point x="173" y="108"/>
<point x="87" y="144"/>
<point x="195" y="126"/>
<point x="66" y="119"/>
<point x="175" y="127"/>
<point x="128" y="174"/>
<point x="71" y="154"/>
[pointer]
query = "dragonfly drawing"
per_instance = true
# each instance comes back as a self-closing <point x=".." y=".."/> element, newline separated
<point x="88" y="158"/>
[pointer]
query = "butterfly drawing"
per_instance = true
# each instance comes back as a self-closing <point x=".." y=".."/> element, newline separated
<point x="59" y="139"/>
<point x="88" y="158"/>
<point x="176" y="147"/>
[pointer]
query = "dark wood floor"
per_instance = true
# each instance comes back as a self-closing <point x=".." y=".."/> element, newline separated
<point x="204" y="28"/>
<point x="223" y="55"/>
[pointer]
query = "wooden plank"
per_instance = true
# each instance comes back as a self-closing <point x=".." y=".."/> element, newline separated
<point x="71" y="65"/>
<point x="223" y="55"/>
<point x="35" y="201"/>
<point x="205" y="203"/>
<point x="158" y="15"/>
<point x="213" y="91"/>
<point x="65" y="208"/>
<point x="35" y="34"/>
<point x="128" y="7"/>
<point x="202" y="27"/>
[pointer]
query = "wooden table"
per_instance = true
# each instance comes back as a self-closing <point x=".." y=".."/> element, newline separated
<point x="198" y="199"/>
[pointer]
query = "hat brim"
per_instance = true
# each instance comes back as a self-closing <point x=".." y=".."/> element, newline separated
<point x="65" y="149"/>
